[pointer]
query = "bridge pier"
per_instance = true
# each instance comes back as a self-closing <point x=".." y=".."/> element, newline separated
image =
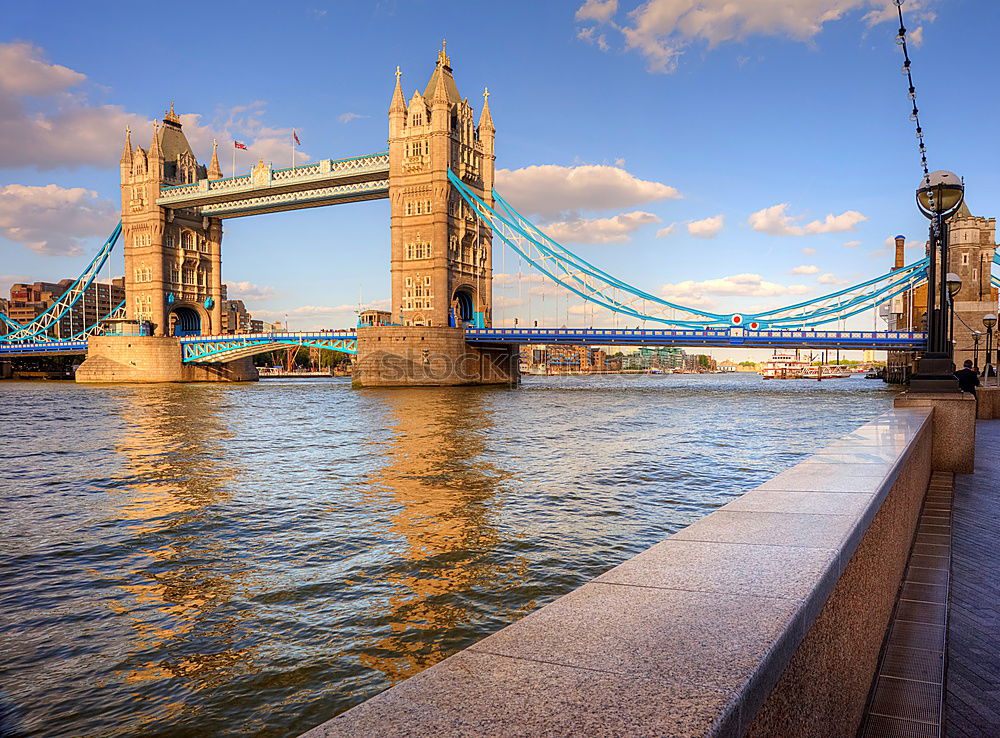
<point x="140" y="359"/>
<point x="429" y="356"/>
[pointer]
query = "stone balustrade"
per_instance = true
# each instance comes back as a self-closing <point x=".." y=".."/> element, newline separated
<point x="764" y="618"/>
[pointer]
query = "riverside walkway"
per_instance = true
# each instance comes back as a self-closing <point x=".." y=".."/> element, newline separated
<point x="939" y="670"/>
<point x="972" y="682"/>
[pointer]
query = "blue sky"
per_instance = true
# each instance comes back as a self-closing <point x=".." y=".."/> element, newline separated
<point x="783" y="126"/>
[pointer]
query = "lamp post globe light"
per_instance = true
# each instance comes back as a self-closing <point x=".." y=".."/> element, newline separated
<point x="939" y="196"/>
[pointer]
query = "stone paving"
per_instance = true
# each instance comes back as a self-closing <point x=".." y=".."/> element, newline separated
<point x="972" y="683"/>
<point x="924" y="686"/>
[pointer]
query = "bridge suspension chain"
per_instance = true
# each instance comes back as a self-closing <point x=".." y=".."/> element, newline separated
<point x="598" y="287"/>
<point x="38" y="329"/>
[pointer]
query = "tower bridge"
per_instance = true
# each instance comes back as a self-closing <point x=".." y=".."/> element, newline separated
<point x="437" y="174"/>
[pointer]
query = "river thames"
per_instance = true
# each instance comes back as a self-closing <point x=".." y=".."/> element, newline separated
<point x="253" y="559"/>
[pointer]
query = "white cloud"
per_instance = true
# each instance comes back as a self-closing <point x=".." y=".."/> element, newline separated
<point x="805" y="269"/>
<point x="26" y="72"/>
<point x="248" y="291"/>
<point x="47" y="122"/>
<point x="706" y="228"/>
<point x="831" y="279"/>
<point x="773" y="221"/>
<point x="551" y="191"/>
<point x="667" y="232"/>
<point x="591" y="36"/>
<point x="736" y="285"/>
<point x="616" y="229"/>
<point x="348" y="117"/>
<point x="808" y="251"/>
<point x="597" y="10"/>
<point x="852" y="244"/>
<point x="916" y="37"/>
<point x="660" y="30"/>
<point x="53" y="220"/>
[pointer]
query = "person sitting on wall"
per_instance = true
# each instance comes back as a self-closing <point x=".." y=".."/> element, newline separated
<point x="968" y="378"/>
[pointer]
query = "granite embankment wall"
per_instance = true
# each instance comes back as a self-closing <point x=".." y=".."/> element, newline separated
<point x="765" y="618"/>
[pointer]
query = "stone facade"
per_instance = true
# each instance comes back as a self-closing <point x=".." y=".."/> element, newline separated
<point x="971" y="246"/>
<point x="173" y="262"/>
<point x="430" y="356"/>
<point x="153" y="359"/>
<point x="441" y="252"/>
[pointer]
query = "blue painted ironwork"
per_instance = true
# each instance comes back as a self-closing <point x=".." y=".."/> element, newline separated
<point x="597" y="286"/>
<point x="714" y="337"/>
<point x="50" y="348"/>
<point x="219" y="349"/>
<point x="37" y="329"/>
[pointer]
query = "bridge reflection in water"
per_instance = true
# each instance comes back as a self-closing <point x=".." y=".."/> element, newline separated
<point x="254" y="559"/>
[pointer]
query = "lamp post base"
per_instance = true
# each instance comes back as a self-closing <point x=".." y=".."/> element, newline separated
<point x="935" y="373"/>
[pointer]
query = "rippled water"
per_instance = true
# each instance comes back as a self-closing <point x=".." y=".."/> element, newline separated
<point x="254" y="559"/>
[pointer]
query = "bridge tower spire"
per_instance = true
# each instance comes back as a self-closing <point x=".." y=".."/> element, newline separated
<point x="441" y="254"/>
<point x="172" y="257"/>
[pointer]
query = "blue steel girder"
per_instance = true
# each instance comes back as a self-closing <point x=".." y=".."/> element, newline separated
<point x="708" y="337"/>
<point x="43" y="348"/>
<point x="221" y="349"/>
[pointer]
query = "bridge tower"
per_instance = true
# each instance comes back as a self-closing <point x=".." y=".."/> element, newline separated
<point x="971" y="246"/>
<point x="441" y="253"/>
<point x="173" y="275"/>
<point x="441" y="260"/>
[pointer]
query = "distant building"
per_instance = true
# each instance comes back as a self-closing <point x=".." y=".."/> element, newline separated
<point x="699" y="363"/>
<point x="562" y="359"/>
<point x="728" y="366"/>
<point x="661" y="357"/>
<point x="235" y="317"/>
<point x="28" y="301"/>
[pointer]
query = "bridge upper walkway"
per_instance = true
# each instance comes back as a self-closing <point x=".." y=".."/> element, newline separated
<point x="267" y="190"/>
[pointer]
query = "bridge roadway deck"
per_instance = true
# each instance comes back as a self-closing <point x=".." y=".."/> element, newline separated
<point x="972" y="681"/>
<point x="697" y="338"/>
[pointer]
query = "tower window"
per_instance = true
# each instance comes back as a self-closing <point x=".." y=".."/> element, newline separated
<point x="965" y="259"/>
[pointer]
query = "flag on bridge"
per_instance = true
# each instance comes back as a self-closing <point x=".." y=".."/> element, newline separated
<point x="298" y="143"/>
<point x="239" y="145"/>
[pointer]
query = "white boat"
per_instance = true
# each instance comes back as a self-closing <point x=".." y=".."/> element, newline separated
<point x="784" y="365"/>
<point x="827" y="371"/>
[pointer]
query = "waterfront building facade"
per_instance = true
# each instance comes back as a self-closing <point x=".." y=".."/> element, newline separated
<point x="28" y="301"/>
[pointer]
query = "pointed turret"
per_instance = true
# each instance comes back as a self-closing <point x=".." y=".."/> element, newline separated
<point x="398" y="104"/>
<point x="397" y="109"/>
<point x="154" y="157"/>
<point x="127" y="150"/>
<point x="214" y="170"/>
<point x="485" y="119"/>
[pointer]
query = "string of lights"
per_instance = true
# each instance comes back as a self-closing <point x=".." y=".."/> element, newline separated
<point x="912" y="93"/>
<point x="912" y="90"/>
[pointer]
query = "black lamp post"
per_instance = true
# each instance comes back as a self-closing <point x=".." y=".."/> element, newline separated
<point x="989" y="321"/>
<point x="976" y="335"/>
<point x="954" y="283"/>
<point x="940" y="194"/>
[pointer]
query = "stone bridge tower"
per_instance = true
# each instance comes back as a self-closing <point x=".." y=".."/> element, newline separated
<point x="173" y="275"/>
<point x="971" y="246"/>
<point x="441" y="252"/>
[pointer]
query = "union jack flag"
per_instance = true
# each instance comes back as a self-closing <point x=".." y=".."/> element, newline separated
<point x="297" y="142"/>
<point x="240" y="145"/>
